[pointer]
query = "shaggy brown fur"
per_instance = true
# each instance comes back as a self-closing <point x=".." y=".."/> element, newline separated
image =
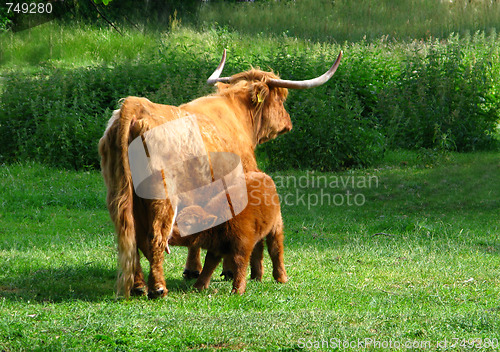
<point x="235" y="119"/>
<point x="241" y="237"/>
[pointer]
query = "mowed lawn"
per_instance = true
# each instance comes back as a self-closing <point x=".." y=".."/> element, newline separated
<point x="403" y="253"/>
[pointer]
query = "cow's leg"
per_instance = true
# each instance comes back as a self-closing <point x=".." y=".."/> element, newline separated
<point x="241" y="259"/>
<point x="211" y="262"/>
<point x="139" y="288"/>
<point x="162" y="223"/>
<point x="256" y="261"/>
<point x="275" y="247"/>
<point x="156" y="280"/>
<point x="193" y="263"/>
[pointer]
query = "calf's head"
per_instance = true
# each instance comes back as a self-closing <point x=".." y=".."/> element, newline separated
<point x="193" y="217"/>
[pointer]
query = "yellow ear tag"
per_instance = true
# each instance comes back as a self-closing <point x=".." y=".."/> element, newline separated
<point x="259" y="98"/>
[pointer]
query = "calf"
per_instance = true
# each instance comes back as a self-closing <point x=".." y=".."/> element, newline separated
<point x="240" y="239"/>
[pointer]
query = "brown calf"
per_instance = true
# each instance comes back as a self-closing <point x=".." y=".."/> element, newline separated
<point x="240" y="239"/>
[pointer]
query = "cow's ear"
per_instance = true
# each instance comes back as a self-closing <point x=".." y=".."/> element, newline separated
<point x="221" y="86"/>
<point x="259" y="92"/>
<point x="209" y="221"/>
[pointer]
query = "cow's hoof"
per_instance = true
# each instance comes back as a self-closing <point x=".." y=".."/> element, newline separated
<point x="157" y="293"/>
<point x="139" y="291"/>
<point x="283" y="280"/>
<point x="190" y="274"/>
<point x="228" y="275"/>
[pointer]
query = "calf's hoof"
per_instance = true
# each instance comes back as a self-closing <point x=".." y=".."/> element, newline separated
<point x="190" y="274"/>
<point x="256" y="277"/>
<point x="200" y="286"/>
<point x="228" y="275"/>
<point x="139" y="291"/>
<point x="157" y="293"/>
<point x="240" y="291"/>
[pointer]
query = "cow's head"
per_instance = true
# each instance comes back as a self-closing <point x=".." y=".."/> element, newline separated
<point x="264" y="93"/>
<point x="264" y="102"/>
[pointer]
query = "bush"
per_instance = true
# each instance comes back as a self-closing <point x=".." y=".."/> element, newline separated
<point x="445" y="94"/>
<point x="58" y="117"/>
<point x="437" y="95"/>
<point x="5" y="18"/>
<point x="65" y="114"/>
<point x="334" y="126"/>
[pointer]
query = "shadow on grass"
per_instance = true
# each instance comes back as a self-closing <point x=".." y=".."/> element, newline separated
<point x="85" y="283"/>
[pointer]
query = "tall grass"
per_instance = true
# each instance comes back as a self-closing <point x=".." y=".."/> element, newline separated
<point x="78" y="45"/>
<point x="345" y="20"/>
<point x="319" y="20"/>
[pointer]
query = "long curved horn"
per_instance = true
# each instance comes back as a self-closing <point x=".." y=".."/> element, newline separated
<point x="311" y="83"/>
<point x="215" y="77"/>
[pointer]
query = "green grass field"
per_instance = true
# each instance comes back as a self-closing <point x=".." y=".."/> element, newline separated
<point x="403" y="254"/>
<point x="416" y="261"/>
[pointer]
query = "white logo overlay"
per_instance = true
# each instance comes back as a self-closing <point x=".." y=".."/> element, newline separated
<point x="170" y="161"/>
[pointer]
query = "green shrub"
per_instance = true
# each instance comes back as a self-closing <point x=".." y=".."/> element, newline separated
<point x="5" y="18"/>
<point x="444" y="92"/>
<point x="65" y="114"/>
<point x="58" y="117"/>
<point x="435" y="95"/>
<point x="333" y="124"/>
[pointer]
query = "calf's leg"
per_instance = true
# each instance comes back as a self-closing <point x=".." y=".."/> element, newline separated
<point x="193" y="264"/>
<point x="256" y="261"/>
<point x="241" y="259"/>
<point x="211" y="262"/>
<point x="275" y="247"/>
<point x="227" y="269"/>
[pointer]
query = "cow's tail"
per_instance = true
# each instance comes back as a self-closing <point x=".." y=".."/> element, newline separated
<point x="113" y="149"/>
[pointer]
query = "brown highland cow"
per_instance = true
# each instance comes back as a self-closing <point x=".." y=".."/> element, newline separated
<point x="247" y="110"/>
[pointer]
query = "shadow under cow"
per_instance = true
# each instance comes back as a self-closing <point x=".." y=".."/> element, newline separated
<point x="85" y="282"/>
<point x="90" y="283"/>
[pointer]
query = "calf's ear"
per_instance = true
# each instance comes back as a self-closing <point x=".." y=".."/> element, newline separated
<point x="209" y="221"/>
